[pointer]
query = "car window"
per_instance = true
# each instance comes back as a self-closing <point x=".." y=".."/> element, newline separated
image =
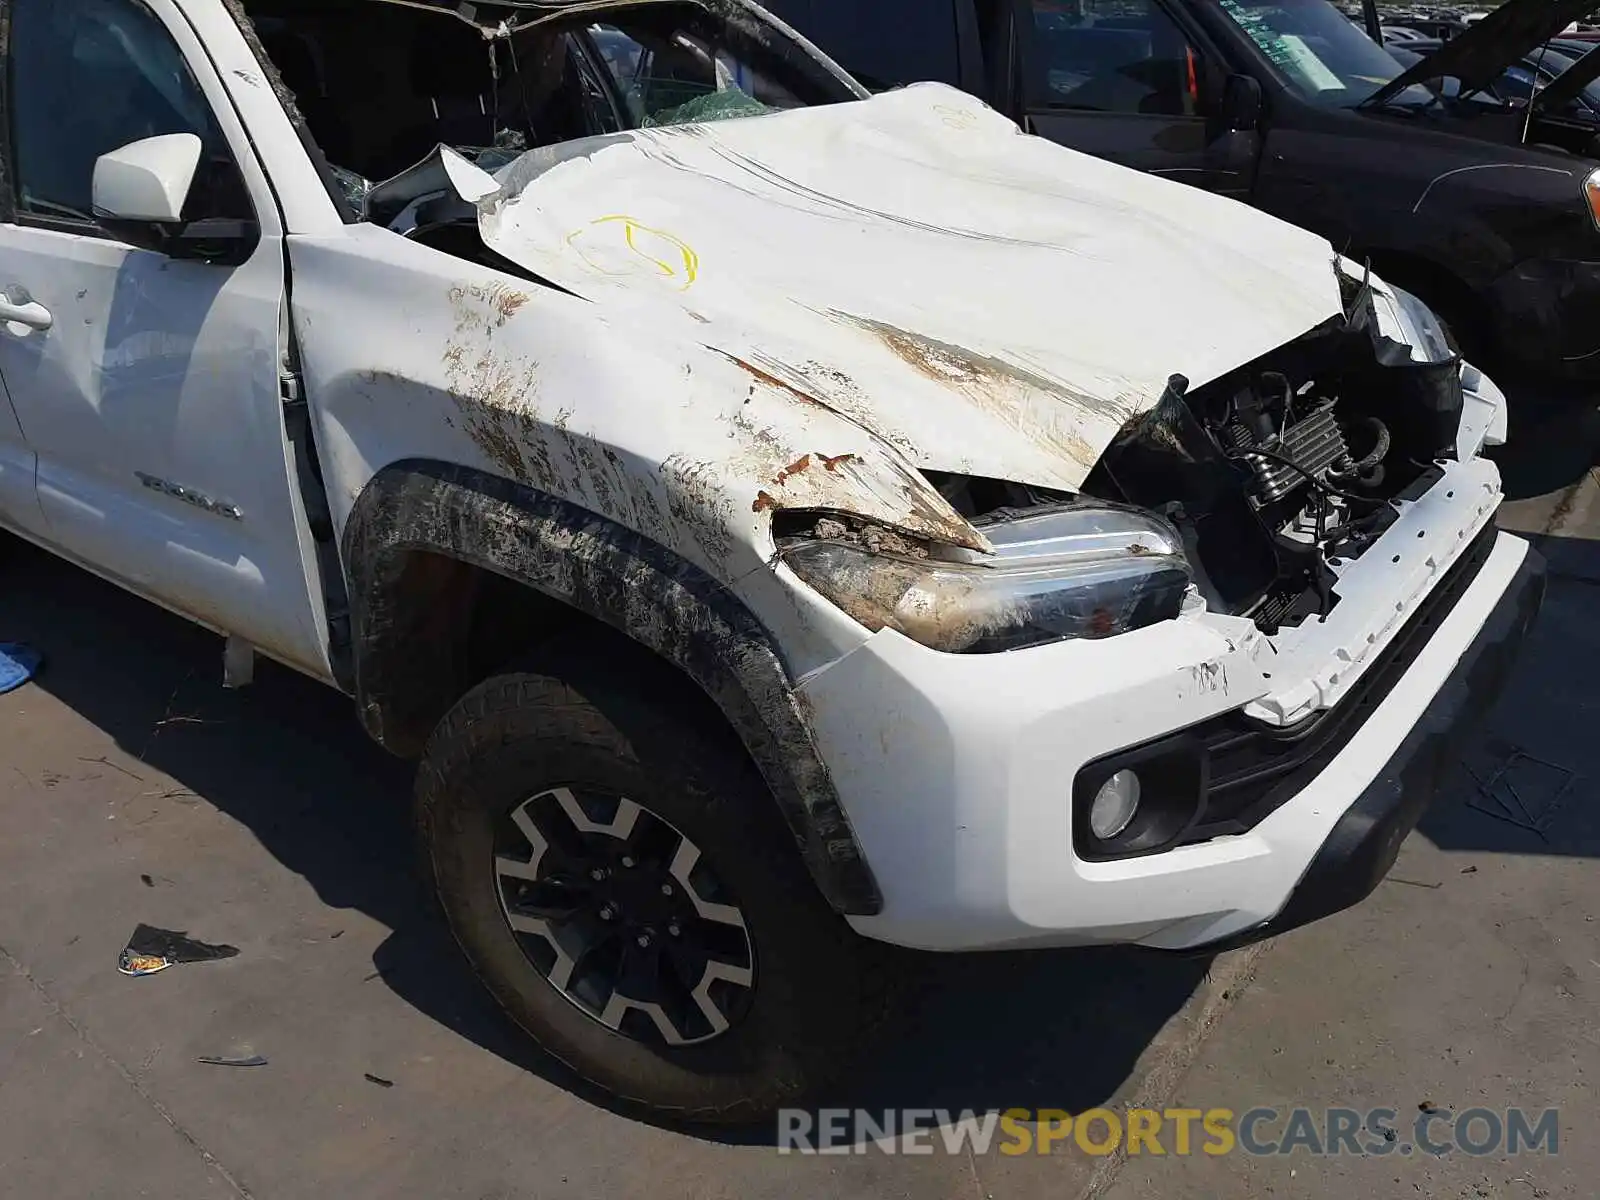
<point x="1323" y="56"/>
<point x="883" y="43"/>
<point x="673" y="76"/>
<point x="1125" y="56"/>
<point x="1517" y="84"/>
<point x="1588" y="102"/>
<point x="88" y="77"/>
<point x="680" y="79"/>
<point x="1555" y="62"/>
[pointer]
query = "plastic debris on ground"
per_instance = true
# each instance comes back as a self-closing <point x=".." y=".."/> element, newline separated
<point x="223" y="1060"/>
<point x="150" y="950"/>
<point x="18" y="664"/>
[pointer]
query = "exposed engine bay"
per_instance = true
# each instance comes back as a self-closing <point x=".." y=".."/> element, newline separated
<point x="1285" y="470"/>
<point x="1281" y="472"/>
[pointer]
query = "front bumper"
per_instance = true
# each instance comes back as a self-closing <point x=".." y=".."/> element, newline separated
<point x="1546" y="315"/>
<point x="1364" y="843"/>
<point x="957" y="773"/>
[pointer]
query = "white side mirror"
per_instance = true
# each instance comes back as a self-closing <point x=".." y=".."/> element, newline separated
<point x="147" y="180"/>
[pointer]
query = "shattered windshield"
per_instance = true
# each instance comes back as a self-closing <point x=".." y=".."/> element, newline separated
<point x="680" y="80"/>
<point x="380" y="86"/>
<point x="1325" y="56"/>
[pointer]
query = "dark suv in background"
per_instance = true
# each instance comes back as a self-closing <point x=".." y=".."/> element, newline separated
<point x="1489" y="211"/>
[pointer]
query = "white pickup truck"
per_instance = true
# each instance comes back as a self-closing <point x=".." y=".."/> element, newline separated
<point x="780" y="520"/>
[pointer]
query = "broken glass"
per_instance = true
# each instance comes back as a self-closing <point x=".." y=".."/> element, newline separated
<point x="714" y="106"/>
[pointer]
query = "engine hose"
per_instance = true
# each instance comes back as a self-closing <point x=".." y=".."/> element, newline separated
<point x="1363" y="469"/>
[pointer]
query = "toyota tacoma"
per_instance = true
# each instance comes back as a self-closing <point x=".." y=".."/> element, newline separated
<point x="779" y="520"/>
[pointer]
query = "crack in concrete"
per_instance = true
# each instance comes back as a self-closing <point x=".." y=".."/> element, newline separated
<point x="977" y="1180"/>
<point x="128" y="1077"/>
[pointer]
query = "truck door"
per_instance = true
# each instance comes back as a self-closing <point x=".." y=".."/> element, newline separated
<point x="149" y="383"/>
<point x="1135" y="82"/>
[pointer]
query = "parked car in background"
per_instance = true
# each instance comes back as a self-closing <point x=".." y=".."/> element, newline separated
<point x="1572" y="45"/>
<point x="1440" y="28"/>
<point x="1401" y="35"/>
<point x="1529" y="83"/>
<point x="1491" y="217"/>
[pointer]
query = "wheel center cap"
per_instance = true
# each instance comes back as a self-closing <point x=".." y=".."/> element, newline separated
<point x="639" y="896"/>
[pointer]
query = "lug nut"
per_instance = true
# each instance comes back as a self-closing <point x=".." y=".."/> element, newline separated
<point x="627" y="861"/>
<point x="666" y="889"/>
<point x="597" y="874"/>
<point x="644" y="941"/>
<point x="673" y="929"/>
<point x="606" y="914"/>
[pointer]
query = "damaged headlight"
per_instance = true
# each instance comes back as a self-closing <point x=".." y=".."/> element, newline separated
<point x="1408" y="320"/>
<point x="1083" y="571"/>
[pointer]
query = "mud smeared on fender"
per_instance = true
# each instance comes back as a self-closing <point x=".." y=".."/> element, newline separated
<point x="771" y="443"/>
<point x="630" y="583"/>
<point x="880" y="487"/>
<point x="494" y="386"/>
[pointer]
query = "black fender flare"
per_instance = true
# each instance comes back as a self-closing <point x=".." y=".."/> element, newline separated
<point x="629" y="582"/>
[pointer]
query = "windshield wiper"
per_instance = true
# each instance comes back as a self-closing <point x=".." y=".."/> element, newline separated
<point x="1411" y="108"/>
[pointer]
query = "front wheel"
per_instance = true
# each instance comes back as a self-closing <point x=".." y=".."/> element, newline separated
<point x="613" y="866"/>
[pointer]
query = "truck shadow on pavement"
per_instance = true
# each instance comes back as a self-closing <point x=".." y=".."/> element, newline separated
<point x="287" y="759"/>
<point x="1526" y="784"/>
<point x="1554" y="440"/>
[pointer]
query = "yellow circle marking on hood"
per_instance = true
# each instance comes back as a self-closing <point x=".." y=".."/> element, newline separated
<point x="640" y="247"/>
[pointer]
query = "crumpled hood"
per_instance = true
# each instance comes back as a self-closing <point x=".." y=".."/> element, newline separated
<point x="984" y="301"/>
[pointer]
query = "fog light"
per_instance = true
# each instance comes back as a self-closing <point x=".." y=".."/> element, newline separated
<point x="1114" y="805"/>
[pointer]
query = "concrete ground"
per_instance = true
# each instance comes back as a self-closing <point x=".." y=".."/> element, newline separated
<point x="134" y="789"/>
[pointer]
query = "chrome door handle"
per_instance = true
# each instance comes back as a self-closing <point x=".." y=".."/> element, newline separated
<point x="32" y="314"/>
